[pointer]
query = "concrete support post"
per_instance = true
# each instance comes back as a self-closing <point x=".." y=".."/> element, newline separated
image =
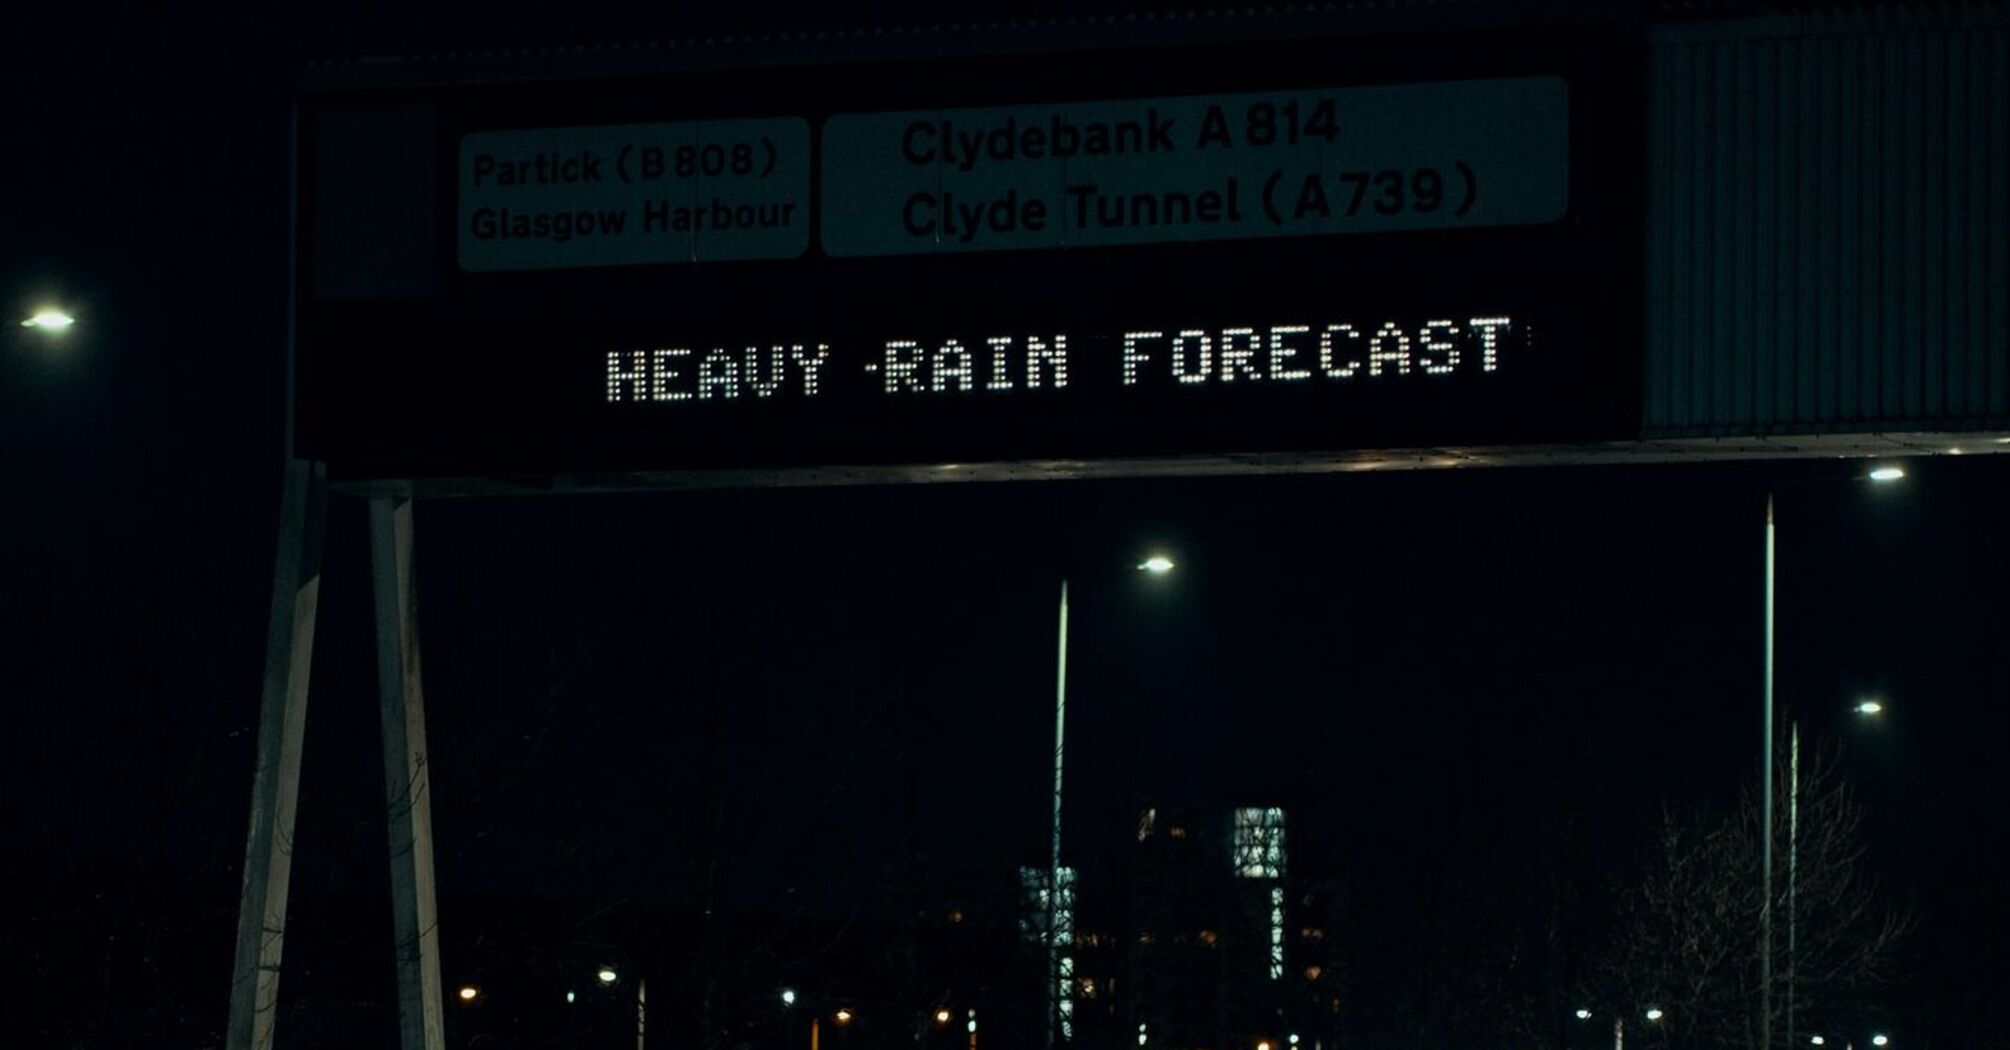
<point x="407" y="780"/>
<point x="275" y="787"/>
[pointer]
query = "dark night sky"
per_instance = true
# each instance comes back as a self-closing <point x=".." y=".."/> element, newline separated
<point x="1407" y="660"/>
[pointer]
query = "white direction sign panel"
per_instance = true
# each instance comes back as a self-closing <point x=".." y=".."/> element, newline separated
<point x="1208" y="167"/>
<point x="634" y="194"/>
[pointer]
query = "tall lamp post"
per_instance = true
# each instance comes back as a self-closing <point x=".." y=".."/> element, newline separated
<point x="1878" y="475"/>
<point x="1057" y="966"/>
<point x="1766" y="813"/>
<point x="1865" y="709"/>
<point x="1055" y="972"/>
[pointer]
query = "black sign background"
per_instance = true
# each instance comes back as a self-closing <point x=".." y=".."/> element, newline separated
<point x="505" y="373"/>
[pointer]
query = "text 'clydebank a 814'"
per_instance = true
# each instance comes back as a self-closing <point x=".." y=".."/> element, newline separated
<point x="1210" y="167"/>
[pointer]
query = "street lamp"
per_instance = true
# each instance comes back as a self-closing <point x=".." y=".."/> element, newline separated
<point x="469" y="993"/>
<point x="1880" y="1039"/>
<point x="1870" y="708"/>
<point x="1158" y="564"/>
<point x="1654" y="1014"/>
<point x="606" y="975"/>
<point x="1879" y="475"/>
<point x="788" y="997"/>
<point x="50" y="320"/>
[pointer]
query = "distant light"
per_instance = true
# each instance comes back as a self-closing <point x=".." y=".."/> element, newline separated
<point x="1654" y="1013"/>
<point x="1583" y="1014"/>
<point x="1870" y="707"/>
<point x="1887" y="474"/>
<point x="942" y="1015"/>
<point x="1264" y="1044"/>
<point x="1880" y="1039"/>
<point x="49" y="319"/>
<point x="843" y="1015"/>
<point x="607" y="975"/>
<point x="973" y="1019"/>
<point x="1818" y="1041"/>
<point x="1292" y="1039"/>
<point x="788" y="997"/>
<point x="1157" y="565"/>
<point x="469" y="992"/>
<point x="1955" y="451"/>
<point x="1141" y="1033"/>
<point x="571" y="997"/>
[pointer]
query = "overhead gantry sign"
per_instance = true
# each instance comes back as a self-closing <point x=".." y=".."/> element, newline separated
<point x="1152" y="258"/>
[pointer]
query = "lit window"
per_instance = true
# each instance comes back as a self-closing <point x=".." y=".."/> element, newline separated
<point x="1258" y="843"/>
<point x="1037" y="909"/>
<point x="1276" y="932"/>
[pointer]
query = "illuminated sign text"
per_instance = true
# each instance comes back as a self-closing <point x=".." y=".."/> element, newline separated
<point x="1177" y="357"/>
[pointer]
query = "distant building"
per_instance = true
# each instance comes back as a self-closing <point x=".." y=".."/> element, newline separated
<point x="1190" y="941"/>
<point x="1045" y="919"/>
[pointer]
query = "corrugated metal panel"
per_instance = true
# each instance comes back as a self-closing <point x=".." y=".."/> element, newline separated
<point x="1829" y="225"/>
